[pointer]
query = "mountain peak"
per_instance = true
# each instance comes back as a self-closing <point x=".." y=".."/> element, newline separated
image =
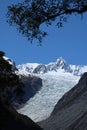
<point x="59" y="65"/>
<point x="60" y="59"/>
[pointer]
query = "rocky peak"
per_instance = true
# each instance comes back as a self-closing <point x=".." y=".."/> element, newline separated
<point x="40" y="69"/>
<point x="61" y="61"/>
<point x="62" y="64"/>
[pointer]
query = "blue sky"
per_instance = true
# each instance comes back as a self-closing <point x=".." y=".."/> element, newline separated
<point x="69" y="42"/>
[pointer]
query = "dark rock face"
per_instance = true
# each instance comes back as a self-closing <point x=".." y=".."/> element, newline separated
<point x="11" y="89"/>
<point x="11" y="120"/>
<point x="80" y="124"/>
<point x="40" y="69"/>
<point x="32" y="85"/>
<point x="70" y="113"/>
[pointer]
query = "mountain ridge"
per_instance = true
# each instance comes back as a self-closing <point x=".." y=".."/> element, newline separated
<point x="59" y="65"/>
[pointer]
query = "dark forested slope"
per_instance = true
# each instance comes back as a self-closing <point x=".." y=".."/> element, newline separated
<point x="11" y="120"/>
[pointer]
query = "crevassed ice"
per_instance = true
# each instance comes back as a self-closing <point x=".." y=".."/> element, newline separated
<point x="54" y="86"/>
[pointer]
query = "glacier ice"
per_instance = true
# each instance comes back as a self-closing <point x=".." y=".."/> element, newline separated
<point x="54" y="86"/>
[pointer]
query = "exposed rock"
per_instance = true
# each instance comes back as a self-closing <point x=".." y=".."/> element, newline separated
<point x="40" y="69"/>
<point x="80" y="124"/>
<point x="71" y="110"/>
<point x="32" y="85"/>
<point x="11" y="120"/>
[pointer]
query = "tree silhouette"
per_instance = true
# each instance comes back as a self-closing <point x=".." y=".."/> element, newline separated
<point x="11" y="86"/>
<point x="2" y="54"/>
<point x="31" y="14"/>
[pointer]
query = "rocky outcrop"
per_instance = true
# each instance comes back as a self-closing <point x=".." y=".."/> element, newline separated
<point x="80" y="124"/>
<point x="11" y="120"/>
<point x="70" y="113"/>
<point x="40" y="69"/>
<point x="32" y="85"/>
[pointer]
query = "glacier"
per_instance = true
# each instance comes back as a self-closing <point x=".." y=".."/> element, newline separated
<point x="54" y="86"/>
<point x="58" y="78"/>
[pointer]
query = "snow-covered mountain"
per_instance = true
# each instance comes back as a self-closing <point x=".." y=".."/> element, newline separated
<point x="57" y="77"/>
<point x="59" y="65"/>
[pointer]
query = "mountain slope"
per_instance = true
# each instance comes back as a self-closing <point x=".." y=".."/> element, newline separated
<point x="11" y="120"/>
<point x="80" y="124"/>
<point x="71" y="110"/>
<point x="11" y="93"/>
<point x="32" y="84"/>
<point x="11" y="87"/>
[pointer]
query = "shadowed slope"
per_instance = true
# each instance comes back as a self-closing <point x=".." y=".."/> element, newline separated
<point x="11" y="120"/>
